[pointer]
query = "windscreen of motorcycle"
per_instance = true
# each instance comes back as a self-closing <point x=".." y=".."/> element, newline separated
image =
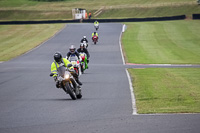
<point x="73" y="58"/>
<point x="61" y="71"/>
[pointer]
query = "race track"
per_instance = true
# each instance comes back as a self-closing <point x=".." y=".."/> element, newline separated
<point x="30" y="102"/>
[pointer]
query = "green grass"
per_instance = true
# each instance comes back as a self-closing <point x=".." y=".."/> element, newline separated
<point x="169" y="42"/>
<point x="33" y="10"/>
<point x="164" y="90"/>
<point x="18" y="39"/>
<point x="144" y="12"/>
<point x="167" y="90"/>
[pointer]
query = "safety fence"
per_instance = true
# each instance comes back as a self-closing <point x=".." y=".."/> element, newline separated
<point x="181" y="17"/>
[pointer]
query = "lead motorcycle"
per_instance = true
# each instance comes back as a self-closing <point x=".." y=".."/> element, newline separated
<point x="67" y="82"/>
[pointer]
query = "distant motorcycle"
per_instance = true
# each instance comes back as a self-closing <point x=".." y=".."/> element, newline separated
<point x="67" y="82"/>
<point x="76" y="63"/>
<point x="85" y="44"/>
<point x="96" y="26"/>
<point x="95" y="39"/>
<point x="83" y="60"/>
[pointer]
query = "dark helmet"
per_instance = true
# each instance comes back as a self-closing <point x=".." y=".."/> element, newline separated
<point x="72" y="49"/>
<point x="58" y="57"/>
<point x="94" y="32"/>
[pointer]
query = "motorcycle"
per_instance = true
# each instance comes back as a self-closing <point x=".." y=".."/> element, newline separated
<point x="95" y="39"/>
<point x="83" y="60"/>
<point x="75" y="63"/>
<point x="67" y="82"/>
<point x="85" y="44"/>
<point x="96" y="26"/>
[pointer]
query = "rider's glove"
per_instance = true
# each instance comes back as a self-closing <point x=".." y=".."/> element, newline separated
<point x="55" y="78"/>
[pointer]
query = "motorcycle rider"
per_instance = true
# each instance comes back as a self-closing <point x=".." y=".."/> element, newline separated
<point x="59" y="61"/>
<point x="96" y="23"/>
<point x="95" y="34"/>
<point x="72" y="51"/>
<point x="84" y="39"/>
<point x="84" y="50"/>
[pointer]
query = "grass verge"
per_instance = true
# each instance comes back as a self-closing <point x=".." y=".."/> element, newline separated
<point x="164" y="90"/>
<point x="167" y="90"/>
<point x="18" y="39"/>
<point x="169" y="42"/>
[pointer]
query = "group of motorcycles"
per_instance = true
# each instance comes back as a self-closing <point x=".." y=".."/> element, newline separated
<point x="95" y="38"/>
<point x="66" y="79"/>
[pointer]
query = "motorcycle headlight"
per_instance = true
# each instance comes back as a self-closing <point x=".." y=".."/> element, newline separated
<point x="66" y="76"/>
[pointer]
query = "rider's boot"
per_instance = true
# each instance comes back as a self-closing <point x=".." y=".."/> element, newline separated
<point x="78" y="81"/>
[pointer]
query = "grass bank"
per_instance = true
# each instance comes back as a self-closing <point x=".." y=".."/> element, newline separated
<point x="151" y="11"/>
<point x="167" y="90"/>
<point x="33" y="10"/>
<point x="18" y="39"/>
<point x="168" y="42"/>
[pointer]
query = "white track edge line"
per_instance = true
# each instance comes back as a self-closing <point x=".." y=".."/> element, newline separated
<point x="132" y="94"/>
<point x="128" y="76"/>
<point x="120" y="45"/>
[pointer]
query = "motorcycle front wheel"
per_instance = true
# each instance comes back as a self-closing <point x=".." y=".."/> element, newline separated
<point x="70" y="91"/>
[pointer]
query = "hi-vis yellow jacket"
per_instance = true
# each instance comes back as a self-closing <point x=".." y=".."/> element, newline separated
<point x="96" y="22"/>
<point x="96" y="34"/>
<point x="65" y="62"/>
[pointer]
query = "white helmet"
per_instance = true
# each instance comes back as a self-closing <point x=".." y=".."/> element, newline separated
<point x="84" y="36"/>
<point x="72" y="49"/>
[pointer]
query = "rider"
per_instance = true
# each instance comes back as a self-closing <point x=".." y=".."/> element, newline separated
<point x="95" y="34"/>
<point x="59" y="61"/>
<point x="96" y="23"/>
<point x="72" y="51"/>
<point x="84" y="50"/>
<point x="84" y="39"/>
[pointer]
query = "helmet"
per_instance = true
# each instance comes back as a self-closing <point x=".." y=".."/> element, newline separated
<point x="84" y="36"/>
<point x="82" y="45"/>
<point x="72" y="49"/>
<point x="94" y="32"/>
<point x="58" y="57"/>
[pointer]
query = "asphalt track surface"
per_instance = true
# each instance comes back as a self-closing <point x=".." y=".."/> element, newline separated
<point x="30" y="102"/>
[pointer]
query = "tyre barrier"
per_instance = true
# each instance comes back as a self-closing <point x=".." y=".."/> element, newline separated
<point x="196" y="16"/>
<point x="181" y="17"/>
<point x="38" y="22"/>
